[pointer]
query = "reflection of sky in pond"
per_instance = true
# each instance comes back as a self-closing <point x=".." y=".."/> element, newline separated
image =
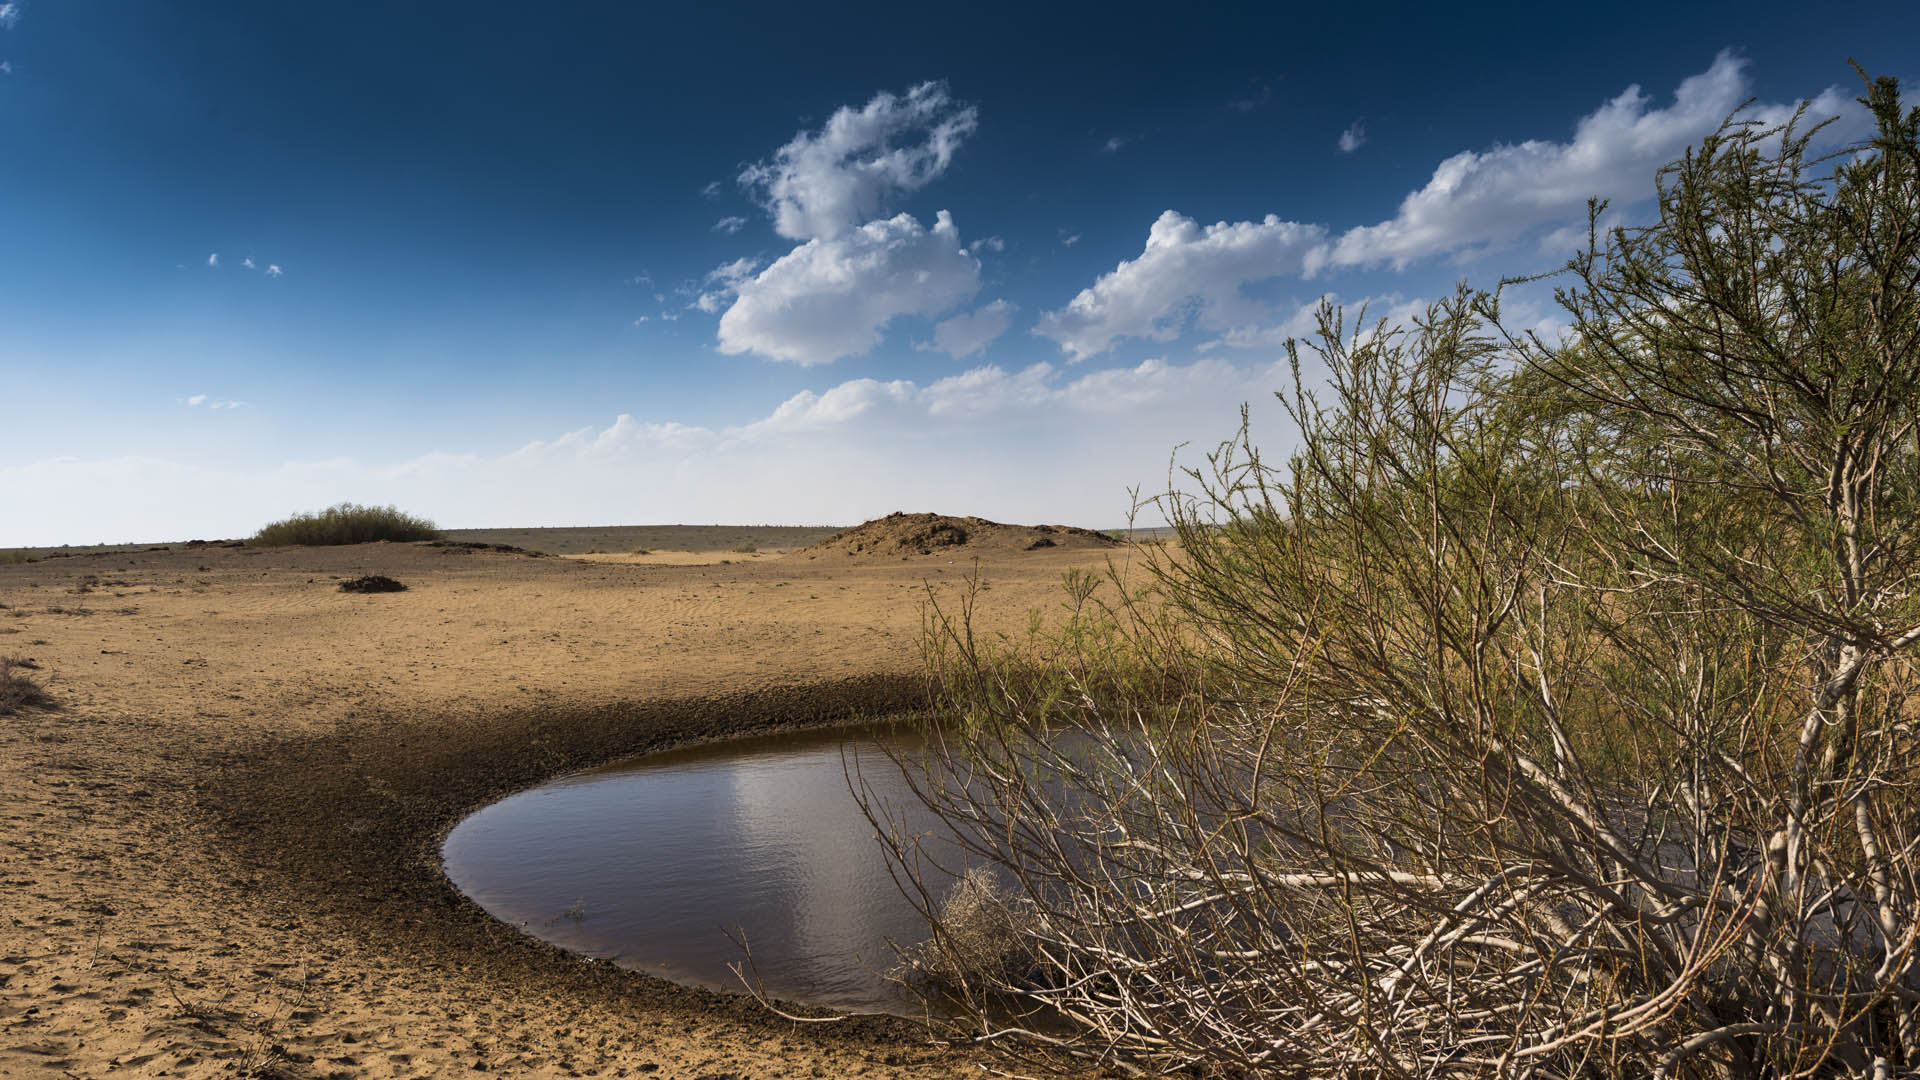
<point x="665" y="853"/>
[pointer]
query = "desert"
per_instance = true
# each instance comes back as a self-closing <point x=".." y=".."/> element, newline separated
<point x="219" y="836"/>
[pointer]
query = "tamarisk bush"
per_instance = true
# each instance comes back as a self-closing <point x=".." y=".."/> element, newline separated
<point x="1548" y="712"/>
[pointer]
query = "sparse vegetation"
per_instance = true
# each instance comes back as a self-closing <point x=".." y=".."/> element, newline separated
<point x="745" y="549"/>
<point x="18" y="555"/>
<point x="347" y="523"/>
<point x="1548" y="713"/>
<point x="18" y="690"/>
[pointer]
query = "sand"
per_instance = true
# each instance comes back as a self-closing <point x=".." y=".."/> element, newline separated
<point x="218" y="853"/>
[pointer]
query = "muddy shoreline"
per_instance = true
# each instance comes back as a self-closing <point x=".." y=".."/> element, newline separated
<point x="348" y="826"/>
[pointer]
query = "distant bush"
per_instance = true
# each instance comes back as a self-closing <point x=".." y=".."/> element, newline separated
<point x="18" y="555"/>
<point x="745" y="549"/>
<point x="347" y="523"/>
<point x="18" y="691"/>
<point x="372" y="583"/>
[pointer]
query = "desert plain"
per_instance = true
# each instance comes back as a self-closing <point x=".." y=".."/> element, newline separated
<point x="218" y="843"/>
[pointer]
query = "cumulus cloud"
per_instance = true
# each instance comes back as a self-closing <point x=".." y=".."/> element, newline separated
<point x="1187" y="273"/>
<point x="831" y="296"/>
<point x="1474" y="201"/>
<point x="989" y="243"/>
<point x="1113" y="144"/>
<point x="273" y="270"/>
<point x="969" y="333"/>
<point x="1353" y="138"/>
<point x="196" y="399"/>
<point x="1484" y="198"/>
<point x="213" y="259"/>
<point x="6" y="67"/>
<point x="730" y="224"/>
<point x="248" y="263"/>
<point x="9" y="14"/>
<point x="823" y="183"/>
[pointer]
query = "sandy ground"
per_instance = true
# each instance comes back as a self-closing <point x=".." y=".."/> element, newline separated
<point x="217" y="854"/>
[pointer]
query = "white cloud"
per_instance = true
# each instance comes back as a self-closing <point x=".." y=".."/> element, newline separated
<point x="969" y="333"/>
<point x="711" y="191"/>
<point x="831" y="296"/>
<point x="1068" y="239"/>
<point x="213" y="259"/>
<point x="6" y="67"/>
<point x="196" y="399"/>
<point x="823" y="183"/>
<point x="9" y="14"/>
<point x="1478" y="199"/>
<point x="1353" y="138"/>
<point x="1187" y="272"/>
<point x="721" y="283"/>
<point x="988" y="243"/>
<point x="248" y="263"/>
<point x="1475" y="200"/>
<point x="274" y="270"/>
<point x="1113" y="144"/>
<point x="642" y="319"/>
<point x="730" y="224"/>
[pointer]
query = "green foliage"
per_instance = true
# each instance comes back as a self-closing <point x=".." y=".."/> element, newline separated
<point x="1553" y="699"/>
<point x="347" y="523"/>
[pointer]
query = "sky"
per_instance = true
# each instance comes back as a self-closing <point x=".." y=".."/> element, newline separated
<point x="525" y="265"/>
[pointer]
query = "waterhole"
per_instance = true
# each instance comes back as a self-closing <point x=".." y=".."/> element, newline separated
<point x="651" y="863"/>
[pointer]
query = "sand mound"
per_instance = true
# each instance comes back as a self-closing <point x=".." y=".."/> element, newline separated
<point x="898" y="535"/>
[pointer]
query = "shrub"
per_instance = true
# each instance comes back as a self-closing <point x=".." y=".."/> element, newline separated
<point x="18" y="555"/>
<point x="347" y="523"/>
<point x="19" y="691"/>
<point x="1547" y="713"/>
<point x="746" y="548"/>
<point x="372" y="583"/>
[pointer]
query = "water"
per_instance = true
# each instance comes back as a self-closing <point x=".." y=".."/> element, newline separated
<point x="649" y="863"/>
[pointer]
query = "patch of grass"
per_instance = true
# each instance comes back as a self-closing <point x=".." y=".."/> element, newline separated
<point x="18" y="555"/>
<point x="18" y="691"/>
<point x="347" y="523"/>
<point x="745" y="549"/>
<point x="372" y="583"/>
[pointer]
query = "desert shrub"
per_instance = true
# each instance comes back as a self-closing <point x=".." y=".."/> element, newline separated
<point x="18" y="555"/>
<point x="18" y="690"/>
<point x="372" y="583"/>
<point x="1548" y="713"/>
<point x="745" y="548"/>
<point x="347" y="523"/>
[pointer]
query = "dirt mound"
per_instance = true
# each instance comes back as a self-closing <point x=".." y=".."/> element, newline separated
<point x="900" y="535"/>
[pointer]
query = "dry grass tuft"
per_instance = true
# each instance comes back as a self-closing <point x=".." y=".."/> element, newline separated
<point x="18" y="691"/>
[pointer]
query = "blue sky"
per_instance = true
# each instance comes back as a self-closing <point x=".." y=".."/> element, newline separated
<point x="506" y="265"/>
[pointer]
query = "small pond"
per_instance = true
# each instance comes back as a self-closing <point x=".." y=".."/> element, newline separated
<point x="649" y="863"/>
